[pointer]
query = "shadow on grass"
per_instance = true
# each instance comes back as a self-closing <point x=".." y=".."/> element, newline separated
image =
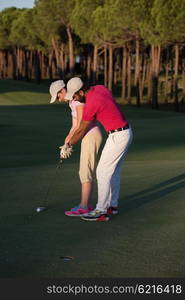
<point x="151" y="194"/>
<point x="38" y="242"/>
<point x="159" y="185"/>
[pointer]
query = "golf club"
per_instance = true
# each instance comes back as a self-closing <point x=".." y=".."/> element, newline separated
<point x="58" y="166"/>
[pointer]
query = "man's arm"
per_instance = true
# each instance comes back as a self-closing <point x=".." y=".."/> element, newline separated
<point x="80" y="132"/>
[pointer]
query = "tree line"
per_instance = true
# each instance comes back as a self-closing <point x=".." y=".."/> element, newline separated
<point x="138" y="43"/>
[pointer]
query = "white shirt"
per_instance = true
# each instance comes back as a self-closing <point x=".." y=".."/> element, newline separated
<point x="73" y="104"/>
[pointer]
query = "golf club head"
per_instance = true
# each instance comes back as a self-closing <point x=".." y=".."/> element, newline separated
<point x="59" y="163"/>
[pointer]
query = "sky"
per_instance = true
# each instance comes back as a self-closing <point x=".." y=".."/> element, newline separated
<point x="16" y="3"/>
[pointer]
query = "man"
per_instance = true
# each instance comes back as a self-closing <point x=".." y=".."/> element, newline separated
<point x="101" y="106"/>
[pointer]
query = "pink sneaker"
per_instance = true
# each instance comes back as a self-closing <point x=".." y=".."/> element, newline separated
<point x="78" y="211"/>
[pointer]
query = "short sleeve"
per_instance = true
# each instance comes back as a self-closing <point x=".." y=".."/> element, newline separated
<point x="77" y="103"/>
<point x="90" y="108"/>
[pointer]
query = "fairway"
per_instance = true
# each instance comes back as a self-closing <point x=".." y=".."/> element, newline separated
<point x="146" y="239"/>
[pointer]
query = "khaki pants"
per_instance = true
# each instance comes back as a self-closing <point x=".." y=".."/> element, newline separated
<point x="88" y="157"/>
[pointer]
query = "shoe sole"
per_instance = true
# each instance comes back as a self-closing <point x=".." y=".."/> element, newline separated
<point x="113" y="214"/>
<point x="96" y="220"/>
<point x="76" y="215"/>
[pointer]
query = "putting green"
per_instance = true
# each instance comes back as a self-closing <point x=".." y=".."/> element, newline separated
<point x="146" y="239"/>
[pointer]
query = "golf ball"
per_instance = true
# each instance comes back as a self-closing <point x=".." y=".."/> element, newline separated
<point x="39" y="209"/>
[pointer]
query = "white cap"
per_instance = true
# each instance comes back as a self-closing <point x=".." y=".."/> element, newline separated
<point x="55" y="87"/>
<point x="73" y="85"/>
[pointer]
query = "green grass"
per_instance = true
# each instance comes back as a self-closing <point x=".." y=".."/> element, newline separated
<point x="145" y="240"/>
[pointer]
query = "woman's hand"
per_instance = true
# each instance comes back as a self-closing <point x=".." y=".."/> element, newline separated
<point x="65" y="151"/>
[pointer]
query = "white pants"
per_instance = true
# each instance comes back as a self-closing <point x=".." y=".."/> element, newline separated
<point x="109" y="168"/>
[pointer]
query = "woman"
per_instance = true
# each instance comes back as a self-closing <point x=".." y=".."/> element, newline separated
<point x="89" y="149"/>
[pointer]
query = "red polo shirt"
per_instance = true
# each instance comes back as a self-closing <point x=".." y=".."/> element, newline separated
<point x="101" y="105"/>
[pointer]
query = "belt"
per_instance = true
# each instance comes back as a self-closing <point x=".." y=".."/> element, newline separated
<point x="118" y="129"/>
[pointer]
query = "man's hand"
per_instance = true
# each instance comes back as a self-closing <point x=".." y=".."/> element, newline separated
<point x="65" y="151"/>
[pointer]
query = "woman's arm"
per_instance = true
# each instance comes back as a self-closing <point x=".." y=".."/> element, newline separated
<point x="79" y="112"/>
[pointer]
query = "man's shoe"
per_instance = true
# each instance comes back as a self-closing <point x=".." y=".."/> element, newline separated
<point x="78" y="211"/>
<point x="112" y="211"/>
<point x="96" y="215"/>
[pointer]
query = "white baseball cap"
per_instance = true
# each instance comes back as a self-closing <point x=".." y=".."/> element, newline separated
<point x="73" y="85"/>
<point x="55" y="87"/>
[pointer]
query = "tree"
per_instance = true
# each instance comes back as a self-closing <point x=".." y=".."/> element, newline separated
<point x="25" y="26"/>
<point x="170" y="23"/>
<point x="103" y="26"/>
<point x="54" y="36"/>
<point x="8" y="62"/>
<point x="119" y="25"/>
<point x="57" y="13"/>
<point x="151" y="36"/>
<point x="82" y="19"/>
<point x="7" y="16"/>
